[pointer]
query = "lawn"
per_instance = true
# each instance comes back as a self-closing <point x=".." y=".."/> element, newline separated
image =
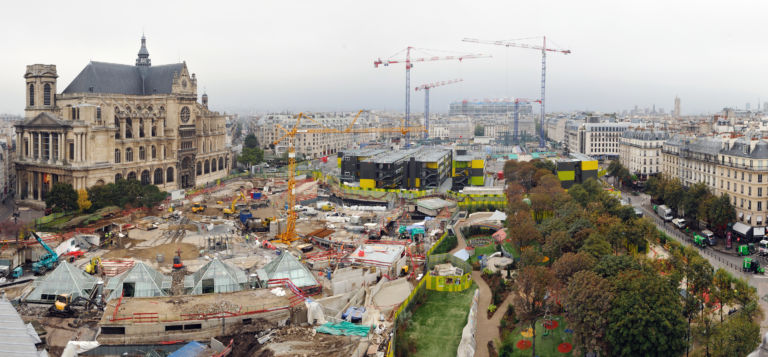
<point x="436" y="325"/>
<point x="511" y="248"/>
<point x="483" y="250"/>
<point x="545" y="345"/>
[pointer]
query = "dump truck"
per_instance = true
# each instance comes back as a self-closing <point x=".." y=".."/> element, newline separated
<point x="752" y="265"/>
<point x="197" y="207"/>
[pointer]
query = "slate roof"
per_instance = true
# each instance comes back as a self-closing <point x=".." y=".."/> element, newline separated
<point x="44" y="119"/>
<point x="113" y="78"/>
<point x="645" y="135"/>
<point x="18" y="339"/>
<point x="709" y="146"/>
<point x="737" y="149"/>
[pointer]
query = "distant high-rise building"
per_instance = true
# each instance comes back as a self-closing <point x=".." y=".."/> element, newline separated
<point x="676" y="113"/>
<point x="747" y="106"/>
<point x="765" y="107"/>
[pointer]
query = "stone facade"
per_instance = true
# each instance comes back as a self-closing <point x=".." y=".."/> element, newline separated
<point x="640" y="152"/>
<point x="118" y="121"/>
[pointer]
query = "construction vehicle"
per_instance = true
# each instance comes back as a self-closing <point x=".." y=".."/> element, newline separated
<point x="48" y="261"/>
<point x="327" y="207"/>
<point x="699" y="240"/>
<point x="198" y="207"/>
<point x="64" y="304"/>
<point x="232" y="209"/>
<point x="93" y="266"/>
<point x="177" y="264"/>
<point x="751" y="265"/>
<point x="254" y="224"/>
<point x="664" y="212"/>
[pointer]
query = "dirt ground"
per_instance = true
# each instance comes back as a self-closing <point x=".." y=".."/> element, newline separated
<point x="188" y="251"/>
<point x="291" y="341"/>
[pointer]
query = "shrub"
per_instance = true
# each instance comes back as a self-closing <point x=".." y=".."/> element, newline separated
<point x="491" y="308"/>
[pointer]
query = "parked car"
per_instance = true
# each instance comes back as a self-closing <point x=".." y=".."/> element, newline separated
<point x="679" y="222"/>
<point x="711" y="239"/>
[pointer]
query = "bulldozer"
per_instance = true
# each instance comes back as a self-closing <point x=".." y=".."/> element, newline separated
<point x="751" y="265"/>
<point x="198" y="207"/>
<point x="94" y="266"/>
<point x="63" y="305"/>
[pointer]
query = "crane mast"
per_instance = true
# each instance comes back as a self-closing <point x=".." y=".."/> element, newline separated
<point x="426" y="87"/>
<point x="409" y="64"/>
<point x="543" y="48"/>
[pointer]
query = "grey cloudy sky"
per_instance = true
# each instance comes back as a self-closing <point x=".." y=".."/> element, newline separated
<point x="318" y="55"/>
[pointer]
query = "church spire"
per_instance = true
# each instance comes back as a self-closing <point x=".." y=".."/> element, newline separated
<point x="143" y="59"/>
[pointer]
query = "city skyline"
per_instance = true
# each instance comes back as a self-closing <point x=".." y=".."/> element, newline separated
<point x="319" y="57"/>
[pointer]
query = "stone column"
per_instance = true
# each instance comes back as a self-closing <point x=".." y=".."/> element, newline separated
<point x="122" y="128"/>
<point x="135" y="127"/>
<point x="85" y="147"/>
<point x="161" y="127"/>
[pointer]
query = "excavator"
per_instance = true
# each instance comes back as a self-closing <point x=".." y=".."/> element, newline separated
<point x="47" y="261"/>
<point x="63" y="305"/>
<point x="231" y="209"/>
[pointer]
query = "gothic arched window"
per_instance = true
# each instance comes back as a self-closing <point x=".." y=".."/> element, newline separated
<point x="47" y="94"/>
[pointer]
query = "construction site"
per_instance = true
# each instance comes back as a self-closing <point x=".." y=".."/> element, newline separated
<point x="253" y="263"/>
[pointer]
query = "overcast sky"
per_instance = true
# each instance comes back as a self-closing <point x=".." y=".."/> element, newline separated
<point x="255" y="56"/>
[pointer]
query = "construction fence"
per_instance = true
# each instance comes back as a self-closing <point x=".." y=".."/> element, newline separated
<point x="452" y="283"/>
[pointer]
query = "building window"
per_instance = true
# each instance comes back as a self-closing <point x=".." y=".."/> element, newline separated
<point x="35" y="142"/>
<point x="31" y="95"/>
<point x="169" y="175"/>
<point x="154" y="152"/>
<point x="128" y="128"/>
<point x="221" y="163"/>
<point x="199" y="168"/>
<point x="55" y="146"/>
<point x="207" y="166"/>
<point x="142" y="153"/>
<point x="145" y="177"/>
<point x="128" y="155"/>
<point x="164" y="152"/>
<point x="98" y="113"/>
<point x="759" y="206"/>
<point x="158" y="176"/>
<point x="759" y="178"/>
<point x="71" y="151"/>
<point x="759" y="192"/>
<point x="184" y="114"/>
<point x="117" y="125"/>
<point x="47" y="94"/>
<point x="45" y="138"/>
<point x="117" y="156"/>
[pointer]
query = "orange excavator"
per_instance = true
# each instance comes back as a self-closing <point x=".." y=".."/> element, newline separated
<point x="177" y="264"/>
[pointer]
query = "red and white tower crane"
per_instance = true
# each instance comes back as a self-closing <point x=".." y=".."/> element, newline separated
<point x="398" y="58"/>
<point x="543" y="48"/>
<point x="426" y="87"/>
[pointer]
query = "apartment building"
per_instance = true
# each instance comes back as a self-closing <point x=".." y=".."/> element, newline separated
<point x="599" y="140"/>
<point x="640" y="151"/>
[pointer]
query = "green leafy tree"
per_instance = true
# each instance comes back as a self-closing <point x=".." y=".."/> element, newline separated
<point x="740" y="335"/>
<point x="250" y="156"/>
<point x="646" y="317"/>
<point x="596" y="245"/>
<point x="62" y="197"/>
<point x="479" y="130"/>
<point x="588" y="300"/>
<point x="673" y="195"/>
<point x="721" y="212"/>
<point x="530" y="296"/>
<point x="251" y="141"/>
<point x="611" y="265"/>
<point x="125" y="193"/>
<point x="692" y="198"/>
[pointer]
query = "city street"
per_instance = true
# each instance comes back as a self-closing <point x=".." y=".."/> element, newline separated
<point x="728" y="261"/>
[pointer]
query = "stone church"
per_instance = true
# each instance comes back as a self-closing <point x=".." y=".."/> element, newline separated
<point x="115" y="121"/>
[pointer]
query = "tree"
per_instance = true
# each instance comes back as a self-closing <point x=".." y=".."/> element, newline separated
<point x="596" y="245"/>
<point x="692" y="198"/>
<point x="721" y="212"/>
<point x="82" y="200"/>
<point x="611" y="265"/>
<point x="530" y="296"/>
<point x="521" y="229"/>
<point x="570" y="264"/>
<point x="125" y="193"/>
<point x="479" y="130"/>
<point x="588" y="300"/>
<point x="673" y="195"/>
<point x="62" y="197"/>
<point x="251" y="141"/>
<point x="646" y="317"/>
<point x="238" y="131"/>
<point x="740" y="335"/>
<point x="251" y="156"/>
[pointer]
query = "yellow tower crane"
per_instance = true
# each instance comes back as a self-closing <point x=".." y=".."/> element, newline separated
<point x="289" y="235"/>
